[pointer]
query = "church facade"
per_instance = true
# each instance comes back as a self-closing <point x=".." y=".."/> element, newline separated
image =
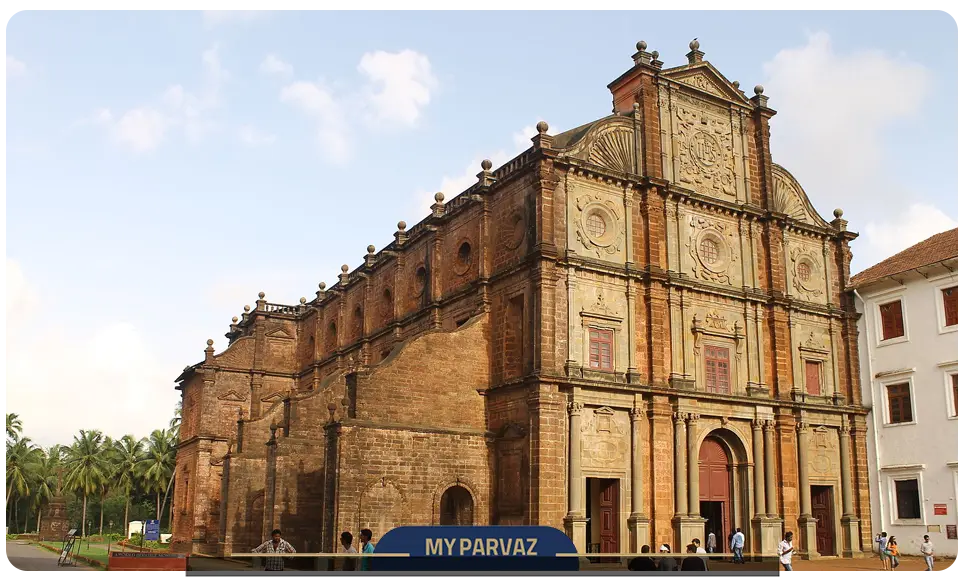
<point x="636" y="331"/>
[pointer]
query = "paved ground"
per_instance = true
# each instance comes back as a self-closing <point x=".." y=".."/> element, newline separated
<point x="26" y="556"/>
<point x="907" y="563"/>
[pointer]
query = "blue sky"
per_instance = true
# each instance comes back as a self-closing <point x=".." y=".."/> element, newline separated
<point x="164" y="167"/>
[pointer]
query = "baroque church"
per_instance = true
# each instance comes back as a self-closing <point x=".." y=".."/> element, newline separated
<point x="635" y="331"/>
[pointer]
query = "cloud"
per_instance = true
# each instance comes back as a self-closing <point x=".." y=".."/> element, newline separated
<point x="110" y="365"/>
<point x="908" y="227"/>
<point x="274" y="65"/>
<point x="143" y="129"/>
<point x="15" y="67"/>
<point x="214" y="18"/>
<point x="396" y="87"/>
<point x="253" y="137"/>
<point x="400" y="85"/>
<point x="453" y="185"/>
<point x="834" y="111"/>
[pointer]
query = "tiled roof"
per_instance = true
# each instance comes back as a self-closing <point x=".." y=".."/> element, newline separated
<point x="933" y="250"/>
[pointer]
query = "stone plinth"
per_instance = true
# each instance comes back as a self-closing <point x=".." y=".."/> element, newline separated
<point x="687" y="528"/>
<point x="53" y="523"/>
<point x="851" y="537"/>
<point x="576" y="529"/>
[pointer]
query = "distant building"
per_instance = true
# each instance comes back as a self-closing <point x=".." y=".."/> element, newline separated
<point x="908" y="370"/>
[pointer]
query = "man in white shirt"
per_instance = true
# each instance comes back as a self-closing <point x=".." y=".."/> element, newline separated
<point x="785" y="551"/>
<point x="348" y="563"/>
<point x="711" y="542"/>
<point x="927" y="549"/>
<point x="699" y="549"/>
<point x="737" y="546"/>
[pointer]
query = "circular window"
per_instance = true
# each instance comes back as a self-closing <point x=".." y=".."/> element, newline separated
<point x="804" y="271"/>
<point x="464" y="259"/>
<point x="596" y="225"/>
<point x="709" y="251"/>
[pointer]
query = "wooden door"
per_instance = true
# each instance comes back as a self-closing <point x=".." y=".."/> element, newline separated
<point x="715" y="487"/>
<point x="821" y="500"/>
<point x="608" y="516"/>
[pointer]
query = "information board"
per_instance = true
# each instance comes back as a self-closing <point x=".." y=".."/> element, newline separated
<point x="152" y="530"/>
<point x="940" y="509"/>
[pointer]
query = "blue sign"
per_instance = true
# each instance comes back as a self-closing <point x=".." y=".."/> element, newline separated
<point x="476" y="548"/>
<point x="152" y="530"/>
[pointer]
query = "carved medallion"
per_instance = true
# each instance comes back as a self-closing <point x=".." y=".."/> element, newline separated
<point x="805" y="272"/>
<point x="597" y="225"/>
<point x="514" y="229"/>
<point x="711" y="250"/>
<point x="704" y="149"/>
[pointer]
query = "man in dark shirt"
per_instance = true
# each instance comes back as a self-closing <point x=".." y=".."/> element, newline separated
<point x="667" y="563"/>
<point x="643" y="563"/>
<point x="693" y="563"/>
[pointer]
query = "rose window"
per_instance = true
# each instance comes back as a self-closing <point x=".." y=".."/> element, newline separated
<point x="596" y="225"/>
<point x="709" y="251"/>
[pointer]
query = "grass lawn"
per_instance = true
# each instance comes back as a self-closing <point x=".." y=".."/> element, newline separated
<point x="93" y="551"/>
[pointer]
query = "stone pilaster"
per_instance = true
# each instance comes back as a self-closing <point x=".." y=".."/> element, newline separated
<point x="693" y="465"/>
<point x="849" y="521"/>
<point x="679" y="475"/>
<point x="575" y="521"/>
<point x="808" y="525"/>
<point x="769" y="469"/>
<point x="759" y="485"/>
<point x="638" y="522"/>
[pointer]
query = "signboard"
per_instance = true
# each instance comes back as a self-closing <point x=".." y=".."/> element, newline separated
<point x="476" y="548"/>
<point x="952" y="532"/>
<point x="147" y="561"/>
<point x="152" y="530"/>
<point x="936" y="528"/>
<point x="940" y="509"/>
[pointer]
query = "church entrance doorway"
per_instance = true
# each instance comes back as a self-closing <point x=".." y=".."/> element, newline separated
<point x="821" y="500"/>
<point x="456" y="507"/>
<point x="715" y="491"/>
<point x="603" y="513"/>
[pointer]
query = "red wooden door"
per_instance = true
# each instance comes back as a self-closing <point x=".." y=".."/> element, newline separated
<point x="608" y="516"/>
<point x="821" y="501"/>
<point x="715" y="487"/>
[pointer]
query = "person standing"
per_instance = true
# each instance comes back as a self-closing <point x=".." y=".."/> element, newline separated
<point x="699" y="549"/>
<point x="882" y="551"/>
<point x="927" y="549"/>
<point x="274" y="546"/>
<point x="736" y="544"/>
<point x="893" y="553"/>
<point x="711" y="542"/>
<point x="693" y="563"/>
<point x="785" y="551"/>
<point x="666" y="563"/>
<point x="367" y="548"/>
<point x="643" y="563"/>
<point x="346" y="548"/>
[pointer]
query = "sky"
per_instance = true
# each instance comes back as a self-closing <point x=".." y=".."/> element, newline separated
<point x="162" y="168"/>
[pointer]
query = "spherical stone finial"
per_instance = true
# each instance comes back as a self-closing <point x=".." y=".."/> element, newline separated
<point x="371" y="249"/>
<point x="332" y="407"/>
<point x="261" y="295"/>
<point x="736" y="84"/>
<point x="402" y="225"/>
<point x="344" y="268"/>
<point x="234" y="320"/>
<point x="210" y="342"/>
<point x="635" y="106"/>
<point x="303" y="300"/>
<point x="655" y="54"/>
<point x="641" y="45"/>
<point x="486" y="165"/>
<point x="247" y="308"/>
<point x="758" y="89"/>
<point x="274" y="426"/>
<point x="322" y="285"/>
<point x="838" y="213"/>
<point x="542" y="126"/>
<point x="694" y="44"/>
<point x="439" y="197"/>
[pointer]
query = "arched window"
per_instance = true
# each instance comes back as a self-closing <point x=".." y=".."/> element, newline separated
<point x="331" y="338"/>
<point x="456" y="508"/>
<point x="388" y="306"/>
<point x="358" y="322"/>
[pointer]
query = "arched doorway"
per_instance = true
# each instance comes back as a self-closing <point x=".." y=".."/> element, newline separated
<point x="716" y="490"/>
<point x="455" y="508"/>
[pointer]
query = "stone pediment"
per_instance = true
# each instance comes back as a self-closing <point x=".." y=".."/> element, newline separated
<point x="274" y="397"/>
<point x="231" y="396"/>
<point x="704" y="77"/>
<point x="609" y="143"/>
<point x="790" y="199"/>
<point x="278" y="332"/>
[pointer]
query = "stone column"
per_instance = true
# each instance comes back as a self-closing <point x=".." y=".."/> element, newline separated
<point x="759" y="487"/>
<point x="575" y="521"/>
<point x="808" y="524"/>
<point x="769" y="469"/>
<point x="849" y="521"/>
<point x="693" y="465"/>
<point x="638" y="522"/>
<point x="679" y="475"/>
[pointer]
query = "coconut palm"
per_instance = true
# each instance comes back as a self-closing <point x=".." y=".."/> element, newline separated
<point x="175" y="423"/>
<point x="156" y="467"/>
<point x="22" y="459"/>
<point x="14" y="427"/>
<point x="45" y="482"/>
<point x="107" y="449"/>
<point x="128" y="452"/>
<point x="87" y="468"/>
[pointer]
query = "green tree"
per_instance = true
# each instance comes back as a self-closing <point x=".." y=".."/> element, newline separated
<point x="22" y="459"/>
<point x="45" y="482"/>
<point x="87" y="468"/>
<point x="128" y="452"/>
<point x="157" y="464"/>
<point x="107" y="451"/>
<point x="14" y="427"/>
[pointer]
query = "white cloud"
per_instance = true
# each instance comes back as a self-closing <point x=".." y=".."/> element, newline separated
<point x="834" y="109"/>
<point x="400" y="85"/>
<point x="274" y="65"/>
<point x="214" y="18"/>
<point x="908" y="227"/>
<point x="253" y="137"/>
<point x="318" y="101"/>
<point x="15" y="67"/>
<point x="107" y="377"/>
<point x="143" y="128"/>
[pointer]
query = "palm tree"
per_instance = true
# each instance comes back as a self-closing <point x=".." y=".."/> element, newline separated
<point x="175" y="424"/>
<point x="107" y="450"/>
<point x="157" y="465"/>
<point x="14" y="427"/>
<point x="22" y="459"/>
<point x="87" y="469"/>
<point x="46" y="480"/>
<point x="128" y="452"/>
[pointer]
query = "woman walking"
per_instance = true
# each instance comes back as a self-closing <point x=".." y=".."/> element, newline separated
<point x="893" y="552"/>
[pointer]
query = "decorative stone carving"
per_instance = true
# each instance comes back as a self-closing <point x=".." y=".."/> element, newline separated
<point x="613" y="149"/>
<point x="712" y="251"/>
<point x="701" y="82"/>
<point x="790" y="199"/>
<point x="605" y="438"/>
<point x="823" y="453"/>
<point x="600" y="309"/>
<point x="514" y="229"/>
<point x="806" y="272"/>
<point x="704" y="143"/>
<point x="575" y="407"/>
<point x="715" y="321"/>
<point x="598" y="225"/>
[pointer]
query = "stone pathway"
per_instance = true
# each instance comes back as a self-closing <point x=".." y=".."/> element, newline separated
<point x="27" y="556"/>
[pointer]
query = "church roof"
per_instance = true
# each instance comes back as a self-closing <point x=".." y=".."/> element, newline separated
<point x="940" y="247"/>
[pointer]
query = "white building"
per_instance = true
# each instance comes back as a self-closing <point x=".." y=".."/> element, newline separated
<point x="908" y="365"/>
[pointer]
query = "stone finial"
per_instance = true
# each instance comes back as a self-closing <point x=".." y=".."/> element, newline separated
<point x="371" y="249"/>
<point x="694" y="55"/>
<point x="656" y="61"/>
<point x="439" y="197"/>
<point x="302" y="300"/>
<point x="400" y="234"/>
<point x="656" y="55"/>
<point x="210" y="342"/>
<point x="838" y="213"/>
<point x="247" y="308"/>
<point x="321" y="286"/>
<point x="344" y="268"/>
<point x="402" y="225"/>
<point x="542" y="127"/>
<point x="641" y="45"/>
<point x="760" y="100"/>
<point x="261" y="295"/>
<point x="695" y="44"/>
<point x="486" y="165"/>
<point x="758" y="89"/>
<point x="234" y="319"/>
<point x="736" y="84"/>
